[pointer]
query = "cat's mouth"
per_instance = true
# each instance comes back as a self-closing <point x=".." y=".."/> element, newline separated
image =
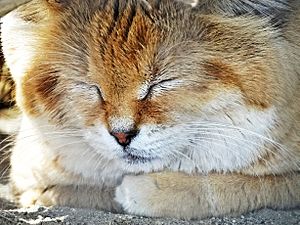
<point x="132" y="158"/>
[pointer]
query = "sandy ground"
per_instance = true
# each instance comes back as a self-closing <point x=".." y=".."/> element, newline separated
<point x="69" y="216"/>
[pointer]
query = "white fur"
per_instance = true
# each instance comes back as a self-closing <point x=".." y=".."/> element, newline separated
<point x="121" y="123"/>
<point x="9" y="126"/>
<point x="43" y="144"/>
<point x="22" y="45"/>
<point x="194" y="3"/>
<point x="21" y="49"/>
<point x="132" y="197"/>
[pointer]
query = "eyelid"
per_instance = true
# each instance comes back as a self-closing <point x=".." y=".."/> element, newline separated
<point x="153" y="84"/>
<point x="99" y="90"/>
<point x="90" y="85"/>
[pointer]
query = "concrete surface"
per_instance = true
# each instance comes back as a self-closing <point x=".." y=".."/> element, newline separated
<point x="67" y="216"/>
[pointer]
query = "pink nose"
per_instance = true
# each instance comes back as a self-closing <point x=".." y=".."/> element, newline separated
<point x="124" y="138"/>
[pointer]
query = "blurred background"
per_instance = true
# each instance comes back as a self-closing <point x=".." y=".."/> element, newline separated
<point x="7" y="109"/>
<point x="8" y="5"/>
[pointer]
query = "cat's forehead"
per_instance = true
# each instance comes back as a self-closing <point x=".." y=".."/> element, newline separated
<point x="126" y="44"/>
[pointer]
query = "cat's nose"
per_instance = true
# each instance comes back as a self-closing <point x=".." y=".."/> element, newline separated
<point x="124" y="138"/>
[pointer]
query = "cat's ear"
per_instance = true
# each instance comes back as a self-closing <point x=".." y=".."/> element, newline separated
<point x="274" y="10"/>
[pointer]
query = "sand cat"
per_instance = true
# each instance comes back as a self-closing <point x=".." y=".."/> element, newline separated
<point x="156" y="108"/>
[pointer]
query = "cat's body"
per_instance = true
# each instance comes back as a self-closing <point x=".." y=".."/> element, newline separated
<point x="158" y="107"/>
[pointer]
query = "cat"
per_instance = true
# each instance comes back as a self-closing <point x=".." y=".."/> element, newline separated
<point x="156" y="108"/>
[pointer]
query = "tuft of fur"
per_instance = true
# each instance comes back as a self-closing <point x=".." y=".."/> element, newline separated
<point x="277" y="12"/>
<point x="157" y="108"/>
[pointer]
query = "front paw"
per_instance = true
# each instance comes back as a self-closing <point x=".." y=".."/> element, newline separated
<point x="139" y="195"/>
<point x="37" y="197"/>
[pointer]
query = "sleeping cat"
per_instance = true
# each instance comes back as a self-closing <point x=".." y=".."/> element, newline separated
<point x="156" y="108"/>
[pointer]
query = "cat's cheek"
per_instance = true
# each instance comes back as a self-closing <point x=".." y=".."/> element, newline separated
<point x="87" y="112"/>
<point x="93" y="115"/>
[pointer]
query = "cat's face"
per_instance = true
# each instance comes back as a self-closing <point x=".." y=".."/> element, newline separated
<point x="148" y="86"/>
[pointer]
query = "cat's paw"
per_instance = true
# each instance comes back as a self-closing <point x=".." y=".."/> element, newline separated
<point x="139" y="195"/>
<point x="37" y="197"/>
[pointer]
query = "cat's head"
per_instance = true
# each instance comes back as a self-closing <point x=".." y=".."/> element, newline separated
<point x="150" y="84"/>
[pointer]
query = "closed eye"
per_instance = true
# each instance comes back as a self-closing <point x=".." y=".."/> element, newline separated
<point x="158" y="88"/>
<point x="91" y="87"/>
<point x="99" y="92"/>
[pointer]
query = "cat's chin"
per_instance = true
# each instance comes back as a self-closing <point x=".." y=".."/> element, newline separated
<point x="139" y="164"/>
<point x="132" y="159"/>
<point x="133" y="156"/>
